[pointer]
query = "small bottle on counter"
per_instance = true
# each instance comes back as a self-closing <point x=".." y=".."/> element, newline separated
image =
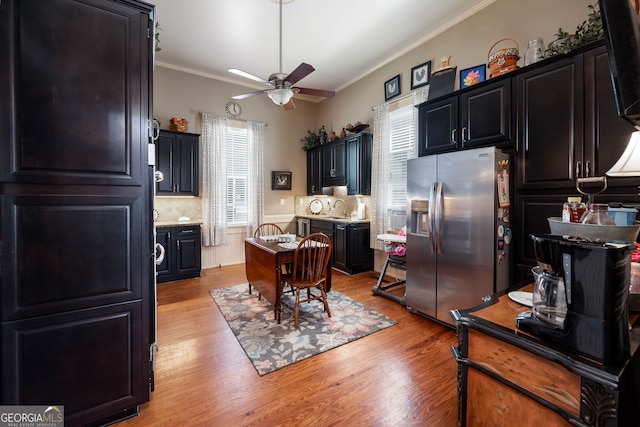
<point x="573" y="209"/>
<point x="598" y="214"/>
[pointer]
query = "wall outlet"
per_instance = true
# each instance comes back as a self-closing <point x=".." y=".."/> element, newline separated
<point x="281" y="202"/>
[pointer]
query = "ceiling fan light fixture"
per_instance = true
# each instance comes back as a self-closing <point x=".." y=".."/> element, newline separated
<point x="280" y="96"/>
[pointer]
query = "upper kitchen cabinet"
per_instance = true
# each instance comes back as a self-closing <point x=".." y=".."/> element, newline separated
<point x="177" y="159"/>
<point x="334" y="163"/>
<point x="314" y="171"/>
<point x="359" y="156"/>
<point x="473" y="117"/>
<point x="76" y="234"/>
<point x="568" y="123"/>
<point x="346" y="161"/>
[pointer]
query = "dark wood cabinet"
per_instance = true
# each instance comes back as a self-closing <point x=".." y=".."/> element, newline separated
<point x="314" y="171"/>
<point x="334" y="163"/>
<point x="177" y="159"/>
<point x="473" y="117"/>
<point x="359" y="157"/>
<point x="568" y="128"/>
<point x="509" y="378"/>
<point x="568" y="123"/>
<point x="351" y="251"/>
<point x="182" y="258"/>
<point x="76" y="273"/>
<point x="346" y="161"/>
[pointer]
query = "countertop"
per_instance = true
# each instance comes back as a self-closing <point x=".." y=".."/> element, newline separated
<point x="335" y="219"/>
<point x="171" y="223"/>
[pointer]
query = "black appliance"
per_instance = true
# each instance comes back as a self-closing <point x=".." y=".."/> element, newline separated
<point x="622" y="34"/>
<point x="595" y="280"/>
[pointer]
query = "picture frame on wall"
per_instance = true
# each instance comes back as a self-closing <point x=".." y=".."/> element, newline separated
<point x="281" y="180"/>
<point x="420" y="75"/>
<point x="392" y="88"/>
<point x="472" y="76"/>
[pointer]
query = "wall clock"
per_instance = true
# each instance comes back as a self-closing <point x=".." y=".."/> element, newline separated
<point x="234" y="110"/>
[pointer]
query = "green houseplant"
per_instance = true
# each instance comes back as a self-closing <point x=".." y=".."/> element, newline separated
<point x="589" y="31"/>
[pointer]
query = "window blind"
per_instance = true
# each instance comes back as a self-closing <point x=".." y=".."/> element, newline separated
<point x="237" y="173"/>
<point x="400" y="149"/>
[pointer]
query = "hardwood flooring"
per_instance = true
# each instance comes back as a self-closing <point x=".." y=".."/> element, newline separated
<point x="404" y="375"/>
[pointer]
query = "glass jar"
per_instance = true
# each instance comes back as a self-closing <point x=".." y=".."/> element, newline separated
<point x="573" y="209"/>
<point x="598" y="214"/>
<point x="533" y="52"/>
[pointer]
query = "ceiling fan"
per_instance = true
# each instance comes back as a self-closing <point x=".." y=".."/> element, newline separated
<point x="280" y="87"/>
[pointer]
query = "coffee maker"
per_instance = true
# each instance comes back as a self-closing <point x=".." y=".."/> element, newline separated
<point x="580" y="297"/>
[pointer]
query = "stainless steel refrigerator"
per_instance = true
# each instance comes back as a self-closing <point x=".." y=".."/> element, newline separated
<point x="457" y="235"/>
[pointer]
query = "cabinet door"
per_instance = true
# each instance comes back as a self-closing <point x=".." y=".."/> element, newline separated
<point x="188" y="252"/>
<point x="550" y="124"/>
<point x="165" y="162"/>
<point x="606" y="134"/>
<point x="360" y="255"/>
<point x="359" y="156"/>
<point x="340" y="247"/>
<point x="486" y="115"/>
<point x="334" y="163"/>
<point x="187" y="170"/>
<point x="166" y="269"/>
<point x="314" y="171"/>
<point x="437" y="126"/>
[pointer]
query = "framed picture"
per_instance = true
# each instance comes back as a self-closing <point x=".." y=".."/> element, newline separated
<point x="392" y="88"/>
<point x="280" y="180"/>
<point x="472" y="76"/>
<point x="420" y="75"/>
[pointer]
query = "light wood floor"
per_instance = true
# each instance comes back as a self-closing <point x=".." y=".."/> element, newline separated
<point x="404" y="375"/>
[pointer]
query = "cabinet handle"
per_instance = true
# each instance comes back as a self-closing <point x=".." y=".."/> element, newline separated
<point x="578" y="166"/>
<point x="178" y="244"/>
<point x="187" y="231"/>
<point x="587" y="169"/>
<point x="464" y="134"/>
<point x="453" y="136"/>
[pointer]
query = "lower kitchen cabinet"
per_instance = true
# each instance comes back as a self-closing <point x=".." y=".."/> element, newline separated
<point x="351" y="251"/>
<point x="182" y="252"/>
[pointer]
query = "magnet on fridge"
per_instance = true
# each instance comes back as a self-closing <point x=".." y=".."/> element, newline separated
<point x="500" y="244"/>
<point x="500" y="230"/>
<point x="507" y="235"/>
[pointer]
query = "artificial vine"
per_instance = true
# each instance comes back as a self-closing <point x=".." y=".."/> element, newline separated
<point x="589" y="31"/>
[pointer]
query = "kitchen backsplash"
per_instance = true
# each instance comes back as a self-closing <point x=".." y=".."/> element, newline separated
<point x="172" y="208"/>
<point x="350" y="203"/>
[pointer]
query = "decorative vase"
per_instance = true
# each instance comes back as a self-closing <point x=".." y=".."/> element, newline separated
<point x="343" y="134"/>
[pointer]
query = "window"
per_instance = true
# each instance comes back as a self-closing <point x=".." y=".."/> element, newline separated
<point x="400" y="149"/>
<point x="237" y="173"/>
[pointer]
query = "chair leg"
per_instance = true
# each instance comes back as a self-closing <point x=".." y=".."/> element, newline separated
<point x="296" y="312"/>
<point x="324" y="300"/>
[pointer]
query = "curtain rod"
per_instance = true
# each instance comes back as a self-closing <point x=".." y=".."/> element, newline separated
<point x="239" y="120"/>
<point x="397" y="99"/>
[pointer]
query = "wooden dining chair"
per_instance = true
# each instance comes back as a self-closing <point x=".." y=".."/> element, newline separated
<point x="266" y="229"/>
<point x="309" y="271"/>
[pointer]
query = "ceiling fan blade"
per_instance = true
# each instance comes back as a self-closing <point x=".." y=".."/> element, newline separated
<point x="316" y="92"/>
<point x="250" y="94"/>
<point x="289" y="105"/>
<point x="299" y="73"/>
<point x="247" y="75"/>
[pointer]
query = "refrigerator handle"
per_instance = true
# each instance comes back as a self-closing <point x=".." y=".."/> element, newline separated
<point x="430" y="215"/>
<point x="438" y="217"/>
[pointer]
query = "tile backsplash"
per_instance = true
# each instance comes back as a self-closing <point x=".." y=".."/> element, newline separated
<point x="172" y="208"/>
<point x="350" y="202"/>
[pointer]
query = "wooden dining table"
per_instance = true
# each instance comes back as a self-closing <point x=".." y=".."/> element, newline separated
<point x="264" y="264"/>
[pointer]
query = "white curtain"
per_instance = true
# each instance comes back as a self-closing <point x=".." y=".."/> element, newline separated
<point x="380" y="165"/>
<point x="419" y="96"/>
<point x="214" y="180"/>
<point x="379" y="174"/>
<point x="255" y="193"/>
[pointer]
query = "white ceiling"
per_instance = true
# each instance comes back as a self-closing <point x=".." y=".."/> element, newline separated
<point x="343" y="39"/>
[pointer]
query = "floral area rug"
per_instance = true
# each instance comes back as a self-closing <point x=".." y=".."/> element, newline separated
<point x="271" y="346"/>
